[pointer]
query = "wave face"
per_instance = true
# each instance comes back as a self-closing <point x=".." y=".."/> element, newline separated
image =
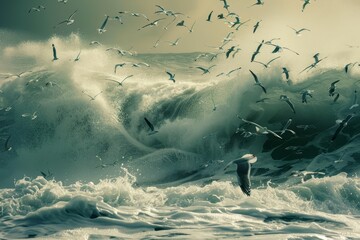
<point x="93" y="165"/>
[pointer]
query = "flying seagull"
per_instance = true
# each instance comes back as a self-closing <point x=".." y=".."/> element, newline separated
<point x="152" y="24"/>
<point x="342" y="125"/>
<point x="176" y="42"/>
<point x="171" y="76"/>
<point x="258" y="2"/>
<point x="17" y="75"/>
<point x="118" y="82"/>
<point x="68" y="21"/>
<point x="257" y="82"/>
<point x="286" y="72"/>
<point x="316" y="62"/>
<point x="304" y="95"/>
<point x="243" y="171"/>
<point x="36" y="9"/>
<point x="77" y="57"/>
<point x="92" y="98"/>
<point x="209" y="16"/>
<point x="287" y="100"/>
<point x="332" y="88"/>
<point x="118" y="65"/>
<point x="230" y="50"/>
<point x="260" y="129"/>
<point x="257" y="51"/>
<point x="286" y="128"/>
<point x="192" y="27"/>
<point x="206" y="70"/>
<point x="267" y="65"/>
<point x="151" y="126"/>
<point x="226" y="5"/>
<point x="306" y="2"/>
<point x="256" y="26"/>
<point x="349" y="66"/>
<point x="298" y="32"/>
<point x="103" y="25"/>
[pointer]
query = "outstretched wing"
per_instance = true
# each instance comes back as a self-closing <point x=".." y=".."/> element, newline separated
<point x="255" y="77"/>
<point x="243" y="176"/>
<point x="149" y="124"/>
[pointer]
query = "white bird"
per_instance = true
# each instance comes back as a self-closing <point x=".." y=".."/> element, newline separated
<point x="243" y="171"/>
<point x="298" y="32"/>
<point x="316" y="62"/>
<point x="118" y="82"/>
<point x="152" y="24"/>
<point x="286" y="128"/>
<point x="176" y="42"/>
<point x="171" y="76"/>
<point x="260" y="129"/>
<point x="36" y="9"/>
<point x="103" y="25"/>
<point x="92" y="98"/>
<point x="68" y="21"/>
<point x="287" y="100"/>
<point x="33" y="115"/>
<point x="205" y="70"/>
<point x="118" y="65"/>
<point x="257" y="82"/>
<point x="151" y="126"/>
<point x="140" y="64"/>
<point x="139" y="15"/>
<point x="62" y="1"/>
<point x="267" y="65"/>
<point x="120" y="51"/>
<point x="94" y="43"/>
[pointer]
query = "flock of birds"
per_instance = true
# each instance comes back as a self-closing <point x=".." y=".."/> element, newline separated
<point x="232" y="19"/>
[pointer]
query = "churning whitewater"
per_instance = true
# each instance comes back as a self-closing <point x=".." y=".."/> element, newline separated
<point x="85" y="167"/>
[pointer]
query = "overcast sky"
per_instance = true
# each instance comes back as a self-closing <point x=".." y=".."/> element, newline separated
<point x="333" y="23"/>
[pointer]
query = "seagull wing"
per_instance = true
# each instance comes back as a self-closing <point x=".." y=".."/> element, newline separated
<point x="255" y="77"/>
<point x="7" y="147"/>
<point x="72" y="15"/>
<point x="333" y="83"/>
<point x="112" y="80"/>
<point x="263" y="88"/>
<point x="170" y="74"/>
<point x="102" y="27"/>
<point x="273" y="133"/>
<point x="272" y="60"/>
<point x="252" y="123"/>
<point x="291" y="105"/>
<point x="149" y="124"/>
<point x="243" y="176"/>
<point x="126" y="78"/>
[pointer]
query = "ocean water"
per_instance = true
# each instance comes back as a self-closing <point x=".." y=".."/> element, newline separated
<point x="88" y="169"/>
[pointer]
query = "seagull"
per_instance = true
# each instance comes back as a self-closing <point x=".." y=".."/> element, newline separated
<point x="213" y="102"/>
<point x="287" y="100"/>
<point x="336" y="97"/>
<point x="77" y="57"/>
<point x="342" y="125"/>
<point x="226" y="5"/>
<point x="242" y="23"/>
<point x="258" y="2"/>
<point x="139" y="15"/>
<point x="120" y="51"/>
<point x="62" y="1"/>
<point x="267" y="65"/>
<point x="306" y="2"/>
<point x="228" y="37"/>
<point x="103" y="25"/>
<point x="206" y="70"/>
<point x="46" y="175"/>
<point x="36" y="9"/>
<point x="231" y="71"/>
<point x="260" y="129"/>
<point x="166" y="12"/>
<point x="298" y="32"/>
<point x="256" y="26"/>
<point x="33" y="115"/>
<point x="220" y="16"/>
<point x="156" y="43"/>
<point x="233" y="24"/>
<point x="209" y="16"/>
<point x="332" y="88"/>
<point x="68" y="21"/>
<point x="118" y="65"/>
<point x="304" y="94"/>
<point x="303" y="174"/>
<point x="348" y="66"/>
<point x="94" y="43"/>
<point x="151" y="126"/>
<point x="257" y="82"/>
<point x="54" y="53"/>
<point x="176" y="42"/>
<point x="181" y="24"/>
<point x="192" y="27"/>
<point x="152" y="24"/>
<point x="257" y="51"/>
<point x="140" y="64"/>
<point x="171" y="76"/>
<point x="355" y="104"/>
<point x="7" y="148"/>
<point x="230" y="50"/>
<point x="243" y="171"/>
<point x="221" y="47"/>
<point x="313" y="65"/>
<point x="279" y="48"/>
<point x="92" y="98"/>
<point x="286" y="128"/>
<point x="286" y="72"/>
<point x="119" y="83"/>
